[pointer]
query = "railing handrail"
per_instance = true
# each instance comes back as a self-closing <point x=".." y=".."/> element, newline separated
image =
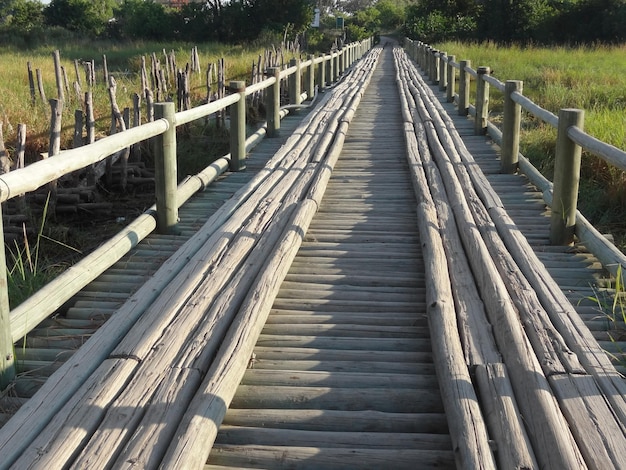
<point x="597" y="147"/>
<point x="18" y="322"/>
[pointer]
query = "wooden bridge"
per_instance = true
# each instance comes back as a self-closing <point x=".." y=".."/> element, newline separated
<point x="372" y="292"/>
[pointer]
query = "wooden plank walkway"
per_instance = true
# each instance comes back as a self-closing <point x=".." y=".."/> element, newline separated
<point x="343" y="374"/>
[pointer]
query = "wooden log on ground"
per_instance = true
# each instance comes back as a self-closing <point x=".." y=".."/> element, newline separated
<point x="200" y="423"/>
<point x="472" y="450"/>
<point x="599" y="451"/>
<point x="552" y="440"/>
<point x="205" y="245"/>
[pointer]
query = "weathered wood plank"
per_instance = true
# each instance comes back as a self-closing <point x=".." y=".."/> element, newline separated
<point x="337" y="379"/>
<point x="239" y="435"/>
<point x="341" y="459"/>
<point x="335" y="420"/>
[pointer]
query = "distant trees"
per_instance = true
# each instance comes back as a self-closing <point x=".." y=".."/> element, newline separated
<point x="21" y="14"/>
<point x="539" y="21"/>
<point x="544" y="21"/>
<point x="85" y="16"/>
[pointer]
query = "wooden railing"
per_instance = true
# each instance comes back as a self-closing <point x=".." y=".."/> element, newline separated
<point x="317" y="72"/>
<point x="562" y="194"/>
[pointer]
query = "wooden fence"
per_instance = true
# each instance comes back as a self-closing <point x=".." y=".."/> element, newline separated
<point x="562" y="194"/>
<point x="317" y="72"/>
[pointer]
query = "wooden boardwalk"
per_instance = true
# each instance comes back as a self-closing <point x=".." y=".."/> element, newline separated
<point x="343" y="373"/>
<point x="343" y="369"/>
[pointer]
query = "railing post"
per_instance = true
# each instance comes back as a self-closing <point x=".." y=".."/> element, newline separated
<point x="434" y="64"/>
<point x="335" y="66"/>
<point x="165" y="170"/>
<point x="272" y="103"/>
<point x="295" y="83"/>
<point x="511" y="122"/>
<point x="7" y="362"/>
<point x="464" y="88"/>
<point x="341" y="61"/>
<point x="443" y="72"/>
<point x="329" y="70"/>
<point x="428" y="61"/>
<point x="450" y="88"/>
<point x="321" y="74"/>
<point x="482" y="102"/>
<point x="238" y="127"/>
<point x="310" y="82"/>
<point x="566" y="179"/>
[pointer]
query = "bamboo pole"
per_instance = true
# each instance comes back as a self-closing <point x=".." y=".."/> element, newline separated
<point x="477" y="342"/>
<point x="210" y="247"/>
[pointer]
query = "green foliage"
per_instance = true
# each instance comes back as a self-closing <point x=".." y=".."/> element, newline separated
<point x="84" y="16"/>
<point x="22" y="15"/>
<point x="138" y="19"/>
<point x="390" y="15"/>
<point x="433" y="21"/>
<point x="521" y="21"/>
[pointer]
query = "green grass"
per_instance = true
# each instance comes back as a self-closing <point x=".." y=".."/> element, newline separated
<point x="27" y="269"/>
<point x="592" y="78"/>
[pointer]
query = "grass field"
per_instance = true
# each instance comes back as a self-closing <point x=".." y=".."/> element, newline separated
<point x="124" y="62"/>
<point x="591" y="78"/>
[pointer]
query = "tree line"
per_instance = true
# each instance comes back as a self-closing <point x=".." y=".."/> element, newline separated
<point x="228" y="21"/>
